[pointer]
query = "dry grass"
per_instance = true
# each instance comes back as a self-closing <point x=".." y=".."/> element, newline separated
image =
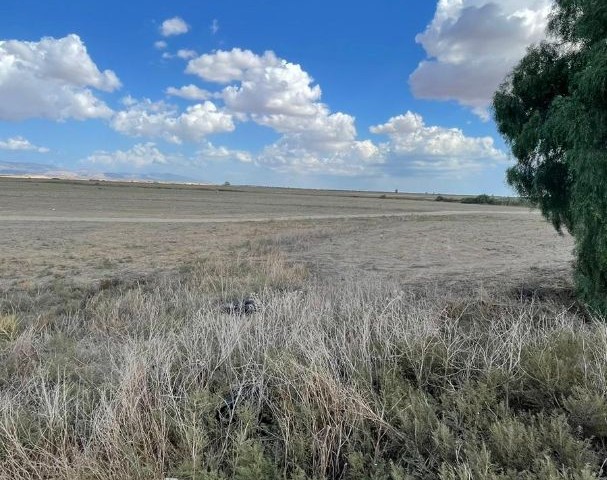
<point x="9" y="325"/>
<point x="371" y="354"/>
<point x="149" y="379"/>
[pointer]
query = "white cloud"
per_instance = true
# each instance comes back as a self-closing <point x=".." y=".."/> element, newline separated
<point x="228" y="66"/>
<point x="472" y="45"/>
<point x="20" y="143"/>
<point x="215" y="26"/>
<point x="158" y="119"/>
<point x="146" y="154"/>
<point x="414" y="146"/>
<point x="289" y="154"/>
<point x="160" y="45"/>
<point x="174" y="26"/>
<point x="51" y="79"/>
<point x="322" y="143"/>
<point x="281" y="95"/>
<point x="272" y="91"/>
<point x="128" y="101"/>
<point x="186" y="54"/>
<point x="212" y="153"/>
<point x="189" y="92"/>
<point x="141" y="155"/>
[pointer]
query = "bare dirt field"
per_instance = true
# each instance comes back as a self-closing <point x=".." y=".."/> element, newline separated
<point x="86" y="231"/>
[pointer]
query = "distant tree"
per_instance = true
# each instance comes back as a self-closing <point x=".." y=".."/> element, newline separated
<point x="552" y="110"/>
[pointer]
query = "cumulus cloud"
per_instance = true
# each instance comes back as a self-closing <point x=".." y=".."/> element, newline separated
<point x="141" y="155"/>
<point x="413" y="146"/>
<point x="228" y="66"/>
<point x="289" y="154"/>
<point x="159" y="119"/>
<point x="186" y="54"/>
<point x="51" y="79"/>
<point x="211" y="152"/>
<point x="20" y="143"/>
<point x="275" y="92"/>
<point x="271" y="91"/>
<point x="160" y="45"/>
<point x="324" y="143"/>
<point x="189" y="92"/>
<point x="174" y="26"/>
<point x="472" y="45"/>
<point x="279" y="94"/>
<point x="314" y="140"/>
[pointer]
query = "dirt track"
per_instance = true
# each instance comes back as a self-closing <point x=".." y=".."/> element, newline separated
<point x="246" y="219"/>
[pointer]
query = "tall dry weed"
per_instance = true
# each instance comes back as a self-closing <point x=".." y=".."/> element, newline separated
<point x="153" y="379"/>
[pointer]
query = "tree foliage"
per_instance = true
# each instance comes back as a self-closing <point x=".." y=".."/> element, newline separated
<point x="552" y="110"/>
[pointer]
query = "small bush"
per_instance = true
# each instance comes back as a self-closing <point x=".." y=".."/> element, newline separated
<point x="587" y="412"/>
<point x="9" y="326"/>
<point x="550" y="371"/>
<point x="481" y="200"/>
<point x="441" y="198"/>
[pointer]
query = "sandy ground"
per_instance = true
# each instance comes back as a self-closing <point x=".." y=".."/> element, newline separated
<point x="254" y="218"/>
<point x="486" y="250"/>
<point x="62" y="231"/>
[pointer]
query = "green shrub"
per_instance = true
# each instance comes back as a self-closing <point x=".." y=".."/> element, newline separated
<point x="252" y="462"/>
<point x="587" y="411"/>
<point x="481" y="199"/>
<point x="550" y="371"/>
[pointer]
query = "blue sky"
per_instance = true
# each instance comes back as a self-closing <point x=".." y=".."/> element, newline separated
<point x="355" y="95"/>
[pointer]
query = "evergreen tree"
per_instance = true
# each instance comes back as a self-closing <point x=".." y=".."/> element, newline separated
<point x="552" y="110"/>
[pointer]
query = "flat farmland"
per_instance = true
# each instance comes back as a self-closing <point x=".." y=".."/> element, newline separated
<point x="85" y="231"/>
<point x="99" y="201"/>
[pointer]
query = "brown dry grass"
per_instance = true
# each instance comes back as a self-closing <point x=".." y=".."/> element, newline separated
<point x="420" y="348"/>
<point x="151" y="379"/>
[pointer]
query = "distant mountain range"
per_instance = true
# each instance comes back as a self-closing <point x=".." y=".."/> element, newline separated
<point x="21" y="168"/>
<point x="38" y="170"/>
